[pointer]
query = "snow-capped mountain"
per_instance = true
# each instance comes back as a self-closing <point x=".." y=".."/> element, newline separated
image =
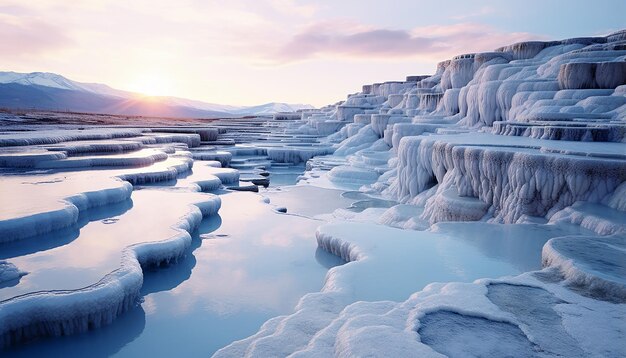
<point x="47" y="79"/>
<point x="50" y="91"/>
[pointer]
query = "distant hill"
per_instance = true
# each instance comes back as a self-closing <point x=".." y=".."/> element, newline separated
<point x="49" y="91"/>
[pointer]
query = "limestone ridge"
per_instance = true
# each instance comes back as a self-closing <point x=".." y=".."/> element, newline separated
<point x="528" y="129"/>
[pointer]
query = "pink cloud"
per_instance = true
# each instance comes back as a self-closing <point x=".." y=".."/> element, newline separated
<point x="27" y="35"/>
<point x="341" y="39"/>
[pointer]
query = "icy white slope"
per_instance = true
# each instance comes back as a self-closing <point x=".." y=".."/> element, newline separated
<point x="38" y="202"/>
<point x="527" y="130"/>
<point x="53" y="137"/>
<point x="64" y="312"/>
<point x="593" y="264"/>
<point x="34" y="205"/>
<point x="516" y="175"/>
<point x="533" y="132"/>
<point x="54" y="201"/>
<point x="533" y="314"/>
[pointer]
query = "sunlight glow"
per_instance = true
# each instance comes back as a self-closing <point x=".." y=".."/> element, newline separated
<point x="151" y="85"/>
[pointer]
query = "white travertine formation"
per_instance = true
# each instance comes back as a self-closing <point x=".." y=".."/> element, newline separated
<point x="529" y="134"/>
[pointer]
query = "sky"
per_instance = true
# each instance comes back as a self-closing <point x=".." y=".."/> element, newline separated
<point x="248" y="52"/>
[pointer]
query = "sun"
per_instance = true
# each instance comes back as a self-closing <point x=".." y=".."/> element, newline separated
<point x="151" y="85"/>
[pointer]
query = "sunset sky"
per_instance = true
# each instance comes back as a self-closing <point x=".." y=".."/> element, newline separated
<point x="250" y="52"/>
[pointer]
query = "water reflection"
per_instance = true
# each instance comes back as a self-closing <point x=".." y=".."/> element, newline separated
<point x="64" y="236"/>
<point x="308" y="200"/>
<point x="518" y="244"/>
<point x="285" y="176"/>
<point x="400" y="262"/>
<point x="242" y="269"/>
<point x="245" y="272"/>
<point x="97" y="249"/>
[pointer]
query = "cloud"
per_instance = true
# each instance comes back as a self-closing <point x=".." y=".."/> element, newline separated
<point x="344" y="39"/>
<point x="23" y="34"/>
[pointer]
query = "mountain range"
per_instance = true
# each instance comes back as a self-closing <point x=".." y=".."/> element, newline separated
<point x="50" y="91"/>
